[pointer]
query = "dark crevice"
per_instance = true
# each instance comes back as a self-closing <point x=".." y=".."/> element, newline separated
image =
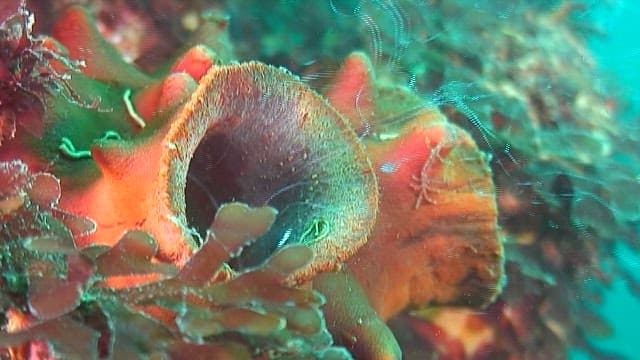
<point x="225" y="168"/>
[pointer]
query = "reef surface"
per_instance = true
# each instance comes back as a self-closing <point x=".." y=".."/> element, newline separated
<point x="375" y="180"/>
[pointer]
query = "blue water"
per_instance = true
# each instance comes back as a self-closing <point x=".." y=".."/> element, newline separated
<point x="619" y="52"/>
<point x="623" y="310"/>
<point x="619" y="57"/>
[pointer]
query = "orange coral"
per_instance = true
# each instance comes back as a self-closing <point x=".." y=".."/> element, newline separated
<point x="208" y="134"/>
<point x="282" y="131"/>
<point x="77" y="31"/>
<point x="436" y="239"/>
<point x="248" y="132"/>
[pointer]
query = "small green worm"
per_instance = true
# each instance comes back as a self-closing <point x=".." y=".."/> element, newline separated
<point x="68" y="149"/>
<point x="316" y="230"/>
<point x="126" y="97"/>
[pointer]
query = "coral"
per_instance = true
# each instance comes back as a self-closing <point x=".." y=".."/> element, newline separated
<point x="521" y="84"/>
<point x="227" y="196"/>
<point x="77" y="31"/>
<point x="554" y="134"/>
<point x="308" y="163"/>
<point x="521" y="81"/>
<point x="114" y="285"/>
<point x="294" y="176"/>
<point x="431" y="175"/>
<point x="427" y="168"/>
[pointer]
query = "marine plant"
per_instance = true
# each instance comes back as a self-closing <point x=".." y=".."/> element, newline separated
<point x="64" y="302"/>
<point x="31" y="68"/>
